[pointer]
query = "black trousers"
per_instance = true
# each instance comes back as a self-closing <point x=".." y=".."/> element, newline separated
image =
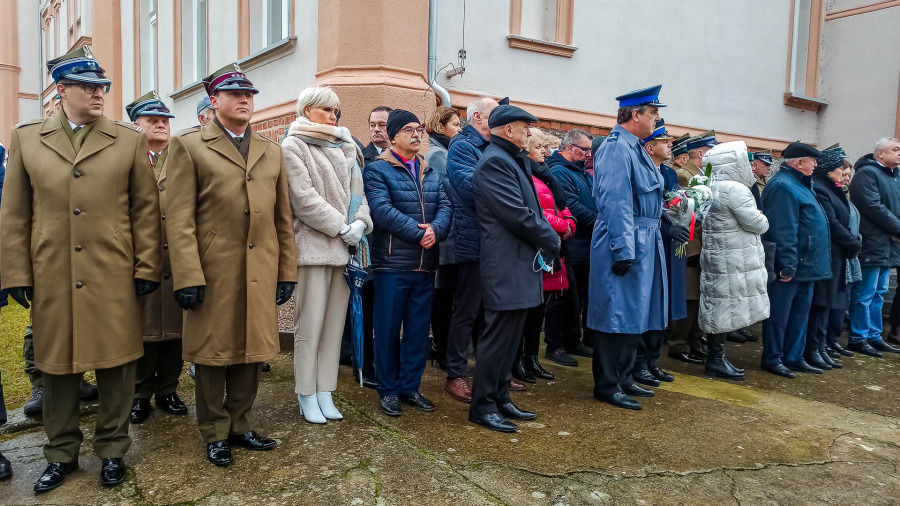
<point x="894" y="317"/>
<point x="442" y="307"/>
<point x="496" y="353"/>
<point x="531" y="335"/>
<point x="614" y="356"/>
<point x="648" y="349"/>
<point x="158" y="370"/>
<point x="466" y="312"/>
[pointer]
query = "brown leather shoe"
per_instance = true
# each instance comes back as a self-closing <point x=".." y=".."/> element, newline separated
<point x="515" y="386"/>
<point x="459" y="389"/>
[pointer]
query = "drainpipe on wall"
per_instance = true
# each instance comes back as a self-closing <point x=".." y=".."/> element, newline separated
<point x="432" y="55"/>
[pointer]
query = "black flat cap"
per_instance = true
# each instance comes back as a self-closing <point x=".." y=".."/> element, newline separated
<point x="800" y="150"/>
<point x="505" y="114"/>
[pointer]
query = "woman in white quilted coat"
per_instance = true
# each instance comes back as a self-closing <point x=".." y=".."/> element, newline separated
<point x="733" y="280"/>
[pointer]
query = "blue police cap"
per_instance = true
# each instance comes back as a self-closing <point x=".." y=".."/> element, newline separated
<point x="659" y="131"/>
<point x="203" y="104"/>
<point x="505" y="114"/>
<point x="78" y="65"/>
<point x="706" y="139"/>
<point x="646" y="96"/>
<point x="148" y="105"/>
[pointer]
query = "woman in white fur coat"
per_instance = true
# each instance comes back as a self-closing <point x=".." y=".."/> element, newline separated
<point x="733" y="275"/>
<point x="324" y="168"/>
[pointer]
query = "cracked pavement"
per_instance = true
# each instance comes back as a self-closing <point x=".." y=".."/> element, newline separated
<point x="832" y="438"/>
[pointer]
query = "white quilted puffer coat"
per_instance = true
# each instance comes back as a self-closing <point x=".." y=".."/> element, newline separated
<point x="733" y="279"/>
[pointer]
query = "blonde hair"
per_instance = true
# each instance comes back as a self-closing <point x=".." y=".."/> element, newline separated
<point x="317" y="96"/>
<point x="537" y="137"/>
<point x="553" y="141"/>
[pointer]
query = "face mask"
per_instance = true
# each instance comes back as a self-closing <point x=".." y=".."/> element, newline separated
<point x="540" y="265"/>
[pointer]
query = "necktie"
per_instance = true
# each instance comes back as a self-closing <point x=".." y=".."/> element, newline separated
<point x="238" y="139"/>
<point x="76" y="129"/>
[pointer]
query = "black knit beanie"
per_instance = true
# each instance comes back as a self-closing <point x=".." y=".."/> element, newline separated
<point x="397" y="119"/>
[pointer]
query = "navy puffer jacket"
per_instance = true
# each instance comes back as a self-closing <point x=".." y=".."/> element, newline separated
<point x="577" y="183"/>
<point x="465" y="150"/>
<point x="398" y="204"/>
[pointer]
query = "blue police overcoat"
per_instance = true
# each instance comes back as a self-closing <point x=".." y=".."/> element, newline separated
<point x="628" y="189"/>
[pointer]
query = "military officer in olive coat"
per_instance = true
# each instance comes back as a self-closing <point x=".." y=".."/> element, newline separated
<point x="158" y="370"/>
<point x="80" y="240"/>
<point x="231" y="241"/>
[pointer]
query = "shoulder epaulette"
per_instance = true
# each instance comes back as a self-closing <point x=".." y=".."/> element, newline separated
<point x="30" y="122"/>
<point x="130" y="126"/>
<point x="195" y="128"/>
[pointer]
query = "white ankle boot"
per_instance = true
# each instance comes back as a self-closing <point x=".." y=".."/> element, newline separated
<point x="309" y="408"/>
<point x="326" y="405"/>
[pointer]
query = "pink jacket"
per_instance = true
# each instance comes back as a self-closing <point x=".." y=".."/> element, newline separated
<point x="560" y="221"/>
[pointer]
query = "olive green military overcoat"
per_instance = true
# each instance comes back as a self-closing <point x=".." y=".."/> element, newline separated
<point x="160" y="315"/>
<point x="80" y="228"/>
<point x="229" y="229"/>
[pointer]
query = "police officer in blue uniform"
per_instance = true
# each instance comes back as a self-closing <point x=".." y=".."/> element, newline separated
<point x="628" y="292"/>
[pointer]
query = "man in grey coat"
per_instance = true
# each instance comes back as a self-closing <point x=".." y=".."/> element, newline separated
<point x="516" y="242"/>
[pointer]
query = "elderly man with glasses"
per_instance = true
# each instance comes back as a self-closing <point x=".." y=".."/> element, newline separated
<point x="411" y="215"/>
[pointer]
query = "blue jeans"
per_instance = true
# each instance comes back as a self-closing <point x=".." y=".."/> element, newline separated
<point x="402" y="299"/>
<point x="866" y="301"/>
<point x="784" y="333"/>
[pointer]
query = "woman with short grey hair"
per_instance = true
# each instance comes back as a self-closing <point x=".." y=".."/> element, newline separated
<point x="323" y="165"/>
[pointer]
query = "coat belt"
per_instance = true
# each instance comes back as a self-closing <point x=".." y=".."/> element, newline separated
<point x="646" y="222"/>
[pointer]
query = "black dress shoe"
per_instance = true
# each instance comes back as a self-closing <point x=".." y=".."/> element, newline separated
<point x="390" y="404"/>
<point x="840" y="349"/>
<point x="735" y="337"/>
<point x="251" y="441"/>
<point x="619" y="400"/>
<point x="802" y="366"/>
<point x="581" y="350"/>
<point x="521" y="373"/>
<point x="140" y="411"/>
<point x="533" y="366"/>
<point x="746" y="334"/>
<point x="219" y="453"/>
<point x="661" y="375"/>
<point x="494" y="421"/>
<point x="266" y="367"/>
<point x="5" y="468"/>
<point x="644" y="377"/>
<point x="54" y="476"/>
<point x="686" y="356"/>
<point x="418" y="401"/>
<point x="112" y="472"/>
<point x="779" y="370"/>
<point x="883" y="347"/>
<point x="814" y="359"/>
<point x="864" y="348"/>
<point x="171" y="403"/>
<point x="511" y="411"/>
<point x="561" y="357"/>
<point x="87" y="392"/>
<point x="636" y="391"/>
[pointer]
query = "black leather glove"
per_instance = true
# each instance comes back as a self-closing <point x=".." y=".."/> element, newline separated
<point x="679" y="233"/>
<point x="143" y="287"/>
<point x="621" y="267"/>
<point x="21" y="294"/>
<point x="284" y="291"/>
<point x="190" y="297"/>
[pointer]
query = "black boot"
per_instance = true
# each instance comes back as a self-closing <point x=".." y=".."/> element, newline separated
<point x="811" y="353"/>
<point x="520" y="373"/>
<point x="533" y="366"/>
<point x="826" y="357"/>
<point x="716" y="364"/>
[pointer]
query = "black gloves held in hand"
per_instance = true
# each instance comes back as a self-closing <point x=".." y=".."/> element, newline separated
<point x="621" y="267"/>
<point x="284" y="291"/>
<point x="679" y="233"/>
<point x="21" y="294"/>
<point x="143" y="287"/>
<point x="190" y="297"/>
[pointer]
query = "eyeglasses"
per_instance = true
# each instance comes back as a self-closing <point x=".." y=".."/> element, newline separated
<point x="89" y="88"/>
<point x="586" y="149"/>
<point x="411" y="130"/>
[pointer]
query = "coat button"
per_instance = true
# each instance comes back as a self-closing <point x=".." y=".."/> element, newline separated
<point x="167" y="276"/>
<point x="165" y="245"/>
<point x="249" y="178"/>
<point x="78" y="284"/>
<point x="78" y="247"/>
<point x="247" y="212"/>
<point x="77" y="211"/>
<point x="76" y="174"/>
<point x="160" y="188"/>
<point x="164" y="217"/>
<point x="251" y="245"/>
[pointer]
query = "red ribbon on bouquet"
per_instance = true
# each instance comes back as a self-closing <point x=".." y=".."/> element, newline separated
<point x="693" y="222"/>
